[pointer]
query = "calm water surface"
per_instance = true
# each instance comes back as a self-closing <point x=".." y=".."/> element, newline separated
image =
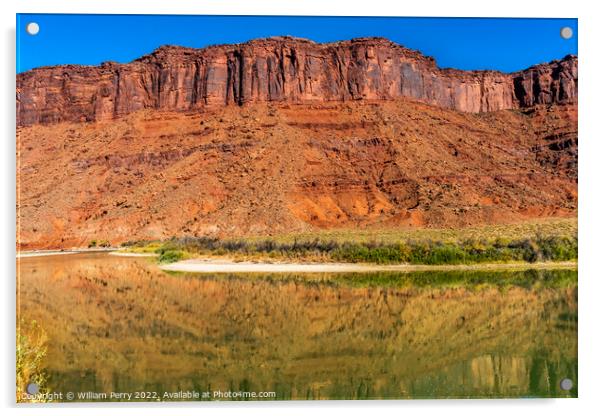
<point x="121" y="324"/>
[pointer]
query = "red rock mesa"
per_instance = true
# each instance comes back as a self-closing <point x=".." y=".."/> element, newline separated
<point x="280" y="69"/>
<point x="286" y="135"/>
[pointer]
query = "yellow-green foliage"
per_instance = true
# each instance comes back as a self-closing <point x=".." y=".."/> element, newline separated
<point x="142" y="247"/>
<point x="31" y="352"/>
<point x="542" y="240"/>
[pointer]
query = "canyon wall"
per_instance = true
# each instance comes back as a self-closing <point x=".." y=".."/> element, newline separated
<point x="280" y="69"/>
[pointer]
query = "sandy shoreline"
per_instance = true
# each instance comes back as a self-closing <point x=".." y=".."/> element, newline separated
<point x="224" y="266"/>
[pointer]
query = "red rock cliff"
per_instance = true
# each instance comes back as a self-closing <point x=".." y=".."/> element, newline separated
<point x="280" y="69"/>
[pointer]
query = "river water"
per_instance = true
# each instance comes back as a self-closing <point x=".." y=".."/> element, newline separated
<point x="119" y="324"/>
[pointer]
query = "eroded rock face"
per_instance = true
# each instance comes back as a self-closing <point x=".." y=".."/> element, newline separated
<point x="271" y="169"/>
<point x="280" y="69"/>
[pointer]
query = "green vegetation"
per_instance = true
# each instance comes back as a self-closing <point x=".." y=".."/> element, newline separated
<point x="142" y="247"/>
<point x="465" y="252"/>
<point x="170" y="256"/>
<point x="532" y="242"/>
<point x="466" y="279"/>
<point x="101" y="243"/>
<point x="31" y="352"/>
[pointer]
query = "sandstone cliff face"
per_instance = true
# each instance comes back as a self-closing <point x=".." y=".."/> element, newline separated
<point x="280" y="69"/>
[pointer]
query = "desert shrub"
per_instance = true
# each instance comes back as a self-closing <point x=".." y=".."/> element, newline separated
<point x="195" y="244"/>
<point x="235" y="245"/>
<point x="170" y="256"/>
<point x="134" y="243"/>
<point x="551" y="248"/>
<point x="266" y="246"/>
<point x="559" y="249"/>
<point x="446" y="254"/>
<point x="31" y="352"/>
<point x="356" y="253"/>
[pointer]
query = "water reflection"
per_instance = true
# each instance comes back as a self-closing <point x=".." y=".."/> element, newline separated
<point x="120" y="324"/>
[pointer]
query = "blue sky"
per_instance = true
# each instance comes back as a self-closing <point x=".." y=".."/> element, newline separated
<point x="463" y="43"/>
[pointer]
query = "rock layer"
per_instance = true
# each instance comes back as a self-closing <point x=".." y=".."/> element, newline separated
<point x="280" y="69"/>
<point x="269" y="169"/>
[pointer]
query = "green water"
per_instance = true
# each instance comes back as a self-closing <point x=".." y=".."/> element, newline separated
<point x="118" y="324"/>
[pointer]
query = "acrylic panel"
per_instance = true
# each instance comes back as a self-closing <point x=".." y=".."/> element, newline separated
<point x="295" y="208"/>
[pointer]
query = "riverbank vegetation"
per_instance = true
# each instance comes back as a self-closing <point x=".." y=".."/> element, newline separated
<point x="433" y="279"/>
<point x="31" y="352"/>
<point x="552" y="240"/>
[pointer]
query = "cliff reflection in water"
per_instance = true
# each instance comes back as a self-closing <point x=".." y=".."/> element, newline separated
<point x="120" y="324"/>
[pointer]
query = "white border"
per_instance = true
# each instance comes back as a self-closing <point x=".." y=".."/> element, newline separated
<point x="590" y="211"/>
<point x="510" y="8"/>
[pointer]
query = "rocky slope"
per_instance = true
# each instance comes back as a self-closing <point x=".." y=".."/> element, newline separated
<point x="283" y="70"/>
<point x="276" y="167"/>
